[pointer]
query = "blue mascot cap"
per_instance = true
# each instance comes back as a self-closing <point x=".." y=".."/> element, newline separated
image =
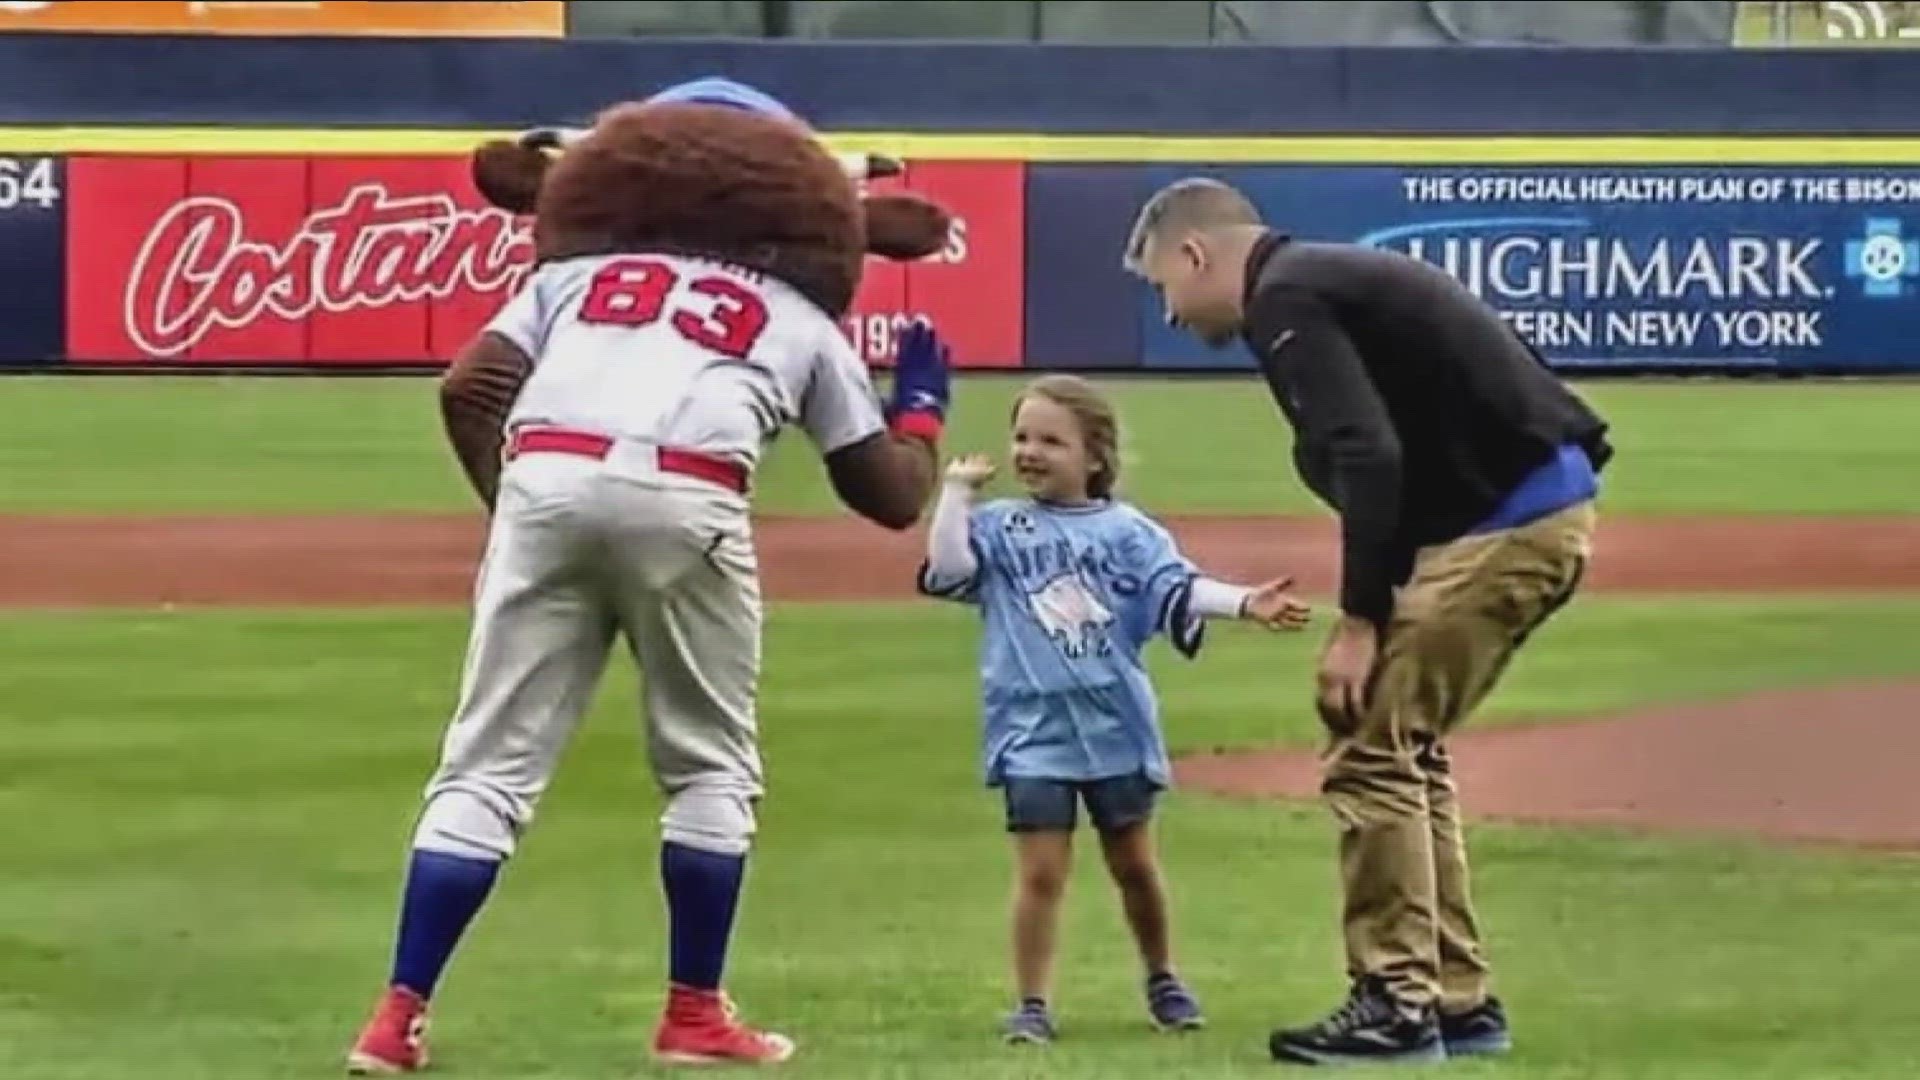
<point x="714" y="90"/>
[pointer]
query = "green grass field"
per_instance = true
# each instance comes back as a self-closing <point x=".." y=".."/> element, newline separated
<point x="209" y="808"/>
<point x="302" y="445"/>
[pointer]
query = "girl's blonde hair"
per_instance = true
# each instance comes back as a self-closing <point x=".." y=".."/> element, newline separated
<point x="1099" y="425"/>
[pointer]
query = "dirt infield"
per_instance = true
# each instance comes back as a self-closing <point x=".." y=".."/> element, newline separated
<point x="1824" y="765"/>
<point x="1827" y="765"/>
<point x="66" y="561"/>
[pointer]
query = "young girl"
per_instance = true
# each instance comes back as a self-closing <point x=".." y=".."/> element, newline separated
<point x="1072" y="583"/>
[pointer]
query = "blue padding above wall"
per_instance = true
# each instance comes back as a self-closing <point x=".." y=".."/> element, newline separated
<point x="934" y="87"/>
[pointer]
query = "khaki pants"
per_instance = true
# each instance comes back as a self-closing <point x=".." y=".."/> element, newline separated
<point x="1467" y="608"/>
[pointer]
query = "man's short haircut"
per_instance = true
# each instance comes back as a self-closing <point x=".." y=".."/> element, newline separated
<point x="1193" y="204"/>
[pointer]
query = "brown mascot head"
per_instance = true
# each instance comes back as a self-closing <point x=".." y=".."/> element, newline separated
<point x="698" y="179"/>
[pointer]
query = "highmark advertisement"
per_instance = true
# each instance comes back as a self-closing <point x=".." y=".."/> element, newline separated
<point x="1773" y="268"/>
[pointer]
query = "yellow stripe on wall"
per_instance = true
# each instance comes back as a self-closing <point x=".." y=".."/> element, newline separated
<point x="1397" y="150"/>
<point x="1278" y="149"/>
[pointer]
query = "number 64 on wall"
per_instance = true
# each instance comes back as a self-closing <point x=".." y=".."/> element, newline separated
<point x="28" y="182"/>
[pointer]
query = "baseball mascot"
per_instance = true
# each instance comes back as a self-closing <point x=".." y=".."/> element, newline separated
<point x="694" y="255"/>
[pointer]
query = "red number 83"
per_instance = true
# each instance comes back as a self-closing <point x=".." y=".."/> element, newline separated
<point x="636" y="292"/>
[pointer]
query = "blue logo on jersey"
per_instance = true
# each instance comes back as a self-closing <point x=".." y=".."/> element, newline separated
<point x="1882" y="260"/>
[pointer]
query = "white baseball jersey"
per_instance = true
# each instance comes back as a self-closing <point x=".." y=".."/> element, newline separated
<point x="684" y="352"/>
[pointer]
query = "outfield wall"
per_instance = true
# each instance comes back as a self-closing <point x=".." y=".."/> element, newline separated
<point x="1626" y="210"/>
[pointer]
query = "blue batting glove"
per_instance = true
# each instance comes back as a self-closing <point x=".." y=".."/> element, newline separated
<point x="922" y="387"/>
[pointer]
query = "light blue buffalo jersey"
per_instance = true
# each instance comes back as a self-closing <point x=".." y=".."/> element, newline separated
<point x="1069" y="596"/>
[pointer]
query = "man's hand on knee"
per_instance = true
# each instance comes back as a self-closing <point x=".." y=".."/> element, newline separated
<point x="1346" y="669"/>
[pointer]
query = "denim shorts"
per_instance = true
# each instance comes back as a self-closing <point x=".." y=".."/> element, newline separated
<point x="1114" y="803"/>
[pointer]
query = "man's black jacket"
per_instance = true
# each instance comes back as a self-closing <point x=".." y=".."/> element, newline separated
<point x="1416" y="408"/>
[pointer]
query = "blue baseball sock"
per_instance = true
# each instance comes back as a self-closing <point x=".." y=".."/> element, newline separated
<point x="444" y="893"/>
<point x="703" y="891"/>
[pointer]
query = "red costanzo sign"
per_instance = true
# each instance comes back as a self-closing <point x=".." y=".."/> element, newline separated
<point x="335" y="261"/>
<point x="322" y="261"/>
<point x="198" y="272"/>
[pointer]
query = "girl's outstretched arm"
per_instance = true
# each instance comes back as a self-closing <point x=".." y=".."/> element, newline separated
<point x="1212" y="598"/>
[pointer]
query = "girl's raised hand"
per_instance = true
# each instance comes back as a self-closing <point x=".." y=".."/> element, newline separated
<point x="973" y="470"/>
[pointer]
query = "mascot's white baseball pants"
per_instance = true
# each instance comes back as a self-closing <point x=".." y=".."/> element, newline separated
<point x="593" y="540"/>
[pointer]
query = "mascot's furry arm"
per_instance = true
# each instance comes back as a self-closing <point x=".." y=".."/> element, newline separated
<point x="476" y="394"/>
<point x="887" y="479"/>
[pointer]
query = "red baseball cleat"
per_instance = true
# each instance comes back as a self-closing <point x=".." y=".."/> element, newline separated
<point x="699" y="1028"/>
<point x="395" y="1040"/>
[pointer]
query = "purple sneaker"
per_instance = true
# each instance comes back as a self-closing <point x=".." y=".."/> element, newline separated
<point x="1172" y="1005"/>
<point x="1031" y="1023"/>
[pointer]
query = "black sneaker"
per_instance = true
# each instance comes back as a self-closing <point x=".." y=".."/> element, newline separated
<point x="1482" y="1030"/>
<point x="1370" y="1029"/>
